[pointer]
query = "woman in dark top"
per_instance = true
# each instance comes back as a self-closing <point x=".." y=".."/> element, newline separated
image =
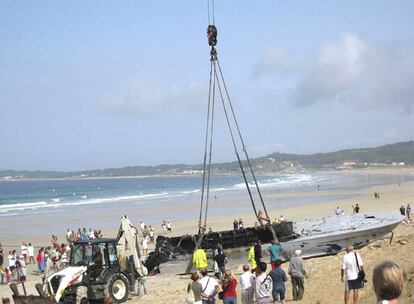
<point x="229" y="284"/>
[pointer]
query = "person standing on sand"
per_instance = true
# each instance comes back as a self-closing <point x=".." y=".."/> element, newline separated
<point x="258" y="252"/>
<point x="350" y="269"/>
<point x="200" y="259"/>
<point x="41" y="265"/>
<point x="246" y="285"/>
<point x="30" y="251"/>
<point x="209" y="289"/>
<point x="251" y="259"/>
<point x="274" y="250"/>
<point x="356" y="208"/>
<point x="196" y="287"/>
<point x="229" y="284"/>
<point x="220" y="259"/>
<point x="144" y="245"/>
<point x="279" y="278"/>
<point x="297" y="272"/>
<point x="388" y="279"/>
<point x="23" y="251"/>
<point x="337" y="210"/>
<point x="408" y="211"/>
<point x="402" y="210"/>
<point x="263" y="285"/>
<point x="1" y="256"/>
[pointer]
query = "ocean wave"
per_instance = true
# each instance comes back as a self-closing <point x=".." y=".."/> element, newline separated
<point x="57" y="204"/>
<point x="23" y="205"/>
<point x="279" y="181"/>
<point x="191" y="191"/>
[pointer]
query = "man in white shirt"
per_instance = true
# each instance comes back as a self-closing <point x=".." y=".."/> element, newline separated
<point x="30" y="250"/>
<point x="263" y="285"/>
<point x="246" y="282"/>
<point x="91" y="234"/>
<point x="68" y="234"/>
<point x="23" y="251"/>
<point x="350" y="269"/>
<point x="209" y="288"/>
<point x="12" y="259"/>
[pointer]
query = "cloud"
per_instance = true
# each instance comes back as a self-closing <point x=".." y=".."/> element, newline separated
<point x="274" y="61"/>
<point x="351" y="71"/>
<point x="146" y="98"/>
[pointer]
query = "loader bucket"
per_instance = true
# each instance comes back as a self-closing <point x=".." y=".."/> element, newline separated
<point x="31" y="299"/>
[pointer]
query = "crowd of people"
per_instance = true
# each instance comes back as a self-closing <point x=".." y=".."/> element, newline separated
<point x="355" y="210"/>
<point x="259" y="285"/>
<point x="166" y="226"/>
<point x="47" y="258"/>
<point x="256" y="285"/>
<point x="238" y="224"/>
<point x="80" y="235"/>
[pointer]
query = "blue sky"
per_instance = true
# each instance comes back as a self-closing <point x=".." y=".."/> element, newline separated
<point x="96" y="84"/>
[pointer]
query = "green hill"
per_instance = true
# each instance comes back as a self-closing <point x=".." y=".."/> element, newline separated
<point x="388" y="155"/>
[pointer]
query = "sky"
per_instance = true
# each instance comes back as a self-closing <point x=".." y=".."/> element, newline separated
<point x="100" y="84"/>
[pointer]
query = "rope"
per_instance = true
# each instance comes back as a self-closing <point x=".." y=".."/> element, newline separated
<point x="212" y="12"/>
<point x="208" y="11"/>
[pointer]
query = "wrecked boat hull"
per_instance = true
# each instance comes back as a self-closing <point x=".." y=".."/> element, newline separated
<point x="318" y="237"/>
<point x="229" y="238"/>
<point x="168" y="248"/>
<point x="330" y="244"/>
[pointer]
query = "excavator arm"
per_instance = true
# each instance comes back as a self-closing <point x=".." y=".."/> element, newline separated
<point x="128" y="245"/>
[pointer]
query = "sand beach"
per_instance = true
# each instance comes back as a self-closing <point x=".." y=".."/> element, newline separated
<point x="323" y="285"/>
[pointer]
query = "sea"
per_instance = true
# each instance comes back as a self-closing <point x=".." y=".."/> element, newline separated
<point x="28" y="197"/>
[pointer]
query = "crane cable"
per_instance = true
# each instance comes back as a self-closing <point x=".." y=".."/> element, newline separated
<point x="211" y="148"/>
<point x="205" y="149"/>
<point x="210" y="5"/>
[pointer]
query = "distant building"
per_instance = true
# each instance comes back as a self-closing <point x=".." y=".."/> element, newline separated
<point x="349" y="163"/>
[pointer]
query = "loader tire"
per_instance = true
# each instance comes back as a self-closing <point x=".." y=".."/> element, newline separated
<point x="82" y="295"/>
<point x="117" y="288"/>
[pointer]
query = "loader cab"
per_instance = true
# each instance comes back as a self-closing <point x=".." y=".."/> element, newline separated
<point x="98" y="255"/>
